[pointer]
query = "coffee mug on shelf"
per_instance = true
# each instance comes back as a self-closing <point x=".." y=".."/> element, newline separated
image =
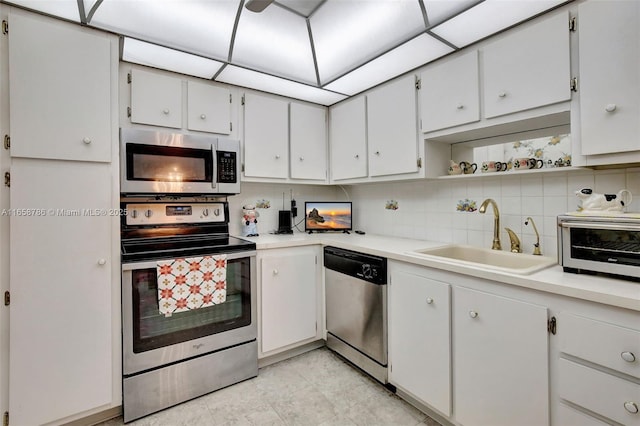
<point x="468" y="168"/>
<point x="501" y="166"/>
<point x="489" y="167"/>
<point x="454" y="168"/>
<point x="528" y="163"/>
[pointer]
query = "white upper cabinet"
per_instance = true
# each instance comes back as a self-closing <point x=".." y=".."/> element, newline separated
<point x="528" y="69"/>
<point x="348" y="139"/>
<point x="156" y="99"/>
<point x="392" y="128"/>
<point x="60" y="91"/>
<point x="266" y="137"/>
<point x="208" y="108"/>
<point x="308" y="143"/>
<point x="609" y="76"/>
<point x="450" y="93"/>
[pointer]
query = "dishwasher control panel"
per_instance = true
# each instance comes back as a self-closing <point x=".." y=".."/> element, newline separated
<point x="359" y="265"/>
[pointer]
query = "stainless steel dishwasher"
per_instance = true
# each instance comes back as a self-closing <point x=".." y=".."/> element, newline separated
<point x="356" y="300"/>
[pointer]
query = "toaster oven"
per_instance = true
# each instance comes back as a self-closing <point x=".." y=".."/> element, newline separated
<point x="600" y="244"/>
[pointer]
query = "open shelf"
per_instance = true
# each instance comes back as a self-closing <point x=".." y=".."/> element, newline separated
<point x="514" y="173"/>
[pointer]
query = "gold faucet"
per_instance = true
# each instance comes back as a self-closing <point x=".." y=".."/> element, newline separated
<point x="515" y="241"/>
<point x="536" y="246"/>
<point x="496" y="222"/>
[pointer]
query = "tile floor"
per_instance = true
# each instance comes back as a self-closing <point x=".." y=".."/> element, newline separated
<point x="316" y="388"/>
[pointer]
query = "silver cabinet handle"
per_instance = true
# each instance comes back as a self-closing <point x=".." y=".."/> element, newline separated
<point x="102" y="262"/>
<point x="203" y="116"/>
<point x="631" y="407"/>
<point x="429" y="301"/>
<point x="628" y="356"/>
<point x="356" y="156"/>
<point x="473" y="314"/>
<point x="460" y="106"/>
<point x="377" y="152"/>
<point x="275" y="272"/>
<point x="502" y="94"/>
<point x="610" y="107"/>
<point x="86" y="140"/>
<point x="277" y="157"/>
<point x="165" y="111"/>
<point x="301" y="158"/>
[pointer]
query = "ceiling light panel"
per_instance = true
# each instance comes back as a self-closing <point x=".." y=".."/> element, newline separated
<point x="346" y="34"/>
<point x="406" y="57"/>
<point x="267" y="83"/>
<point x="275" y="41"/>
<point x="203" y="27"/>
<point x="67" y="9"/>
<point x="489" y="17"/>
<point x="152" y="55"/>
<point x="438" y="10"/>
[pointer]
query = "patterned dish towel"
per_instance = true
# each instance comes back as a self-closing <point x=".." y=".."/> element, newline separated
<point x="191" y="283"/>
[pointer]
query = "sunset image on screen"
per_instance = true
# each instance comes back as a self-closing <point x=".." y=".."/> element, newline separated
<point x="328" y="216"/>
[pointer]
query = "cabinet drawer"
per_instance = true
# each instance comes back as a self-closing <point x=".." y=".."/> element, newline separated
<point x="569" y="416"/>
<point x="599" y="392"/>
<point x="606" y="344"/>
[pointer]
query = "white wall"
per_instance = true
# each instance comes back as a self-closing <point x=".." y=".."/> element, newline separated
<point x="427" y="209"/>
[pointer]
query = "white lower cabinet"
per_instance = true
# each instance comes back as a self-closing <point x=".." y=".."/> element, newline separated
<point x="289" y="297"/>
<point x="598" y="368"/>
<point x="419" y="336"/>
<point x="61" y="345"/>
<point x="500" y="360"/>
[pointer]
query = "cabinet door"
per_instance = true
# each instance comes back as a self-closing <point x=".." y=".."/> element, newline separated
<point x="60" y="348"/>
<point x="609" y="76"/>
<point x="419" y="338"/>
<point x="156" y="99"/>
<point x="266" y="137"/>
<point x="308" y="142"/>
<point x="348" y="139"/>
<point x="208" y="108"/>
<point x="500" y="360"/>
<point x="450" y="93"/>
<point x="528" y="69"/>
<point x="288" y="299"/>
<point x="60" y="90"/>
<point x="392" y="128"/>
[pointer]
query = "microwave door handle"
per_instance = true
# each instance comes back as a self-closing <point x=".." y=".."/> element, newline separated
<point x="214" y="162"/>
<point x="604" y="226"/>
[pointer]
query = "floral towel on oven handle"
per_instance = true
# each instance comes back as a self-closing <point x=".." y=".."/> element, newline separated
<point x="191" y="283"/>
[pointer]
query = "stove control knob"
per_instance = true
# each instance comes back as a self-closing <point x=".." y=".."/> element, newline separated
<point x="134" y="213"/>
<point x="205" y="212"/>
<point x="216" y="212"/>
<point x="148" y="213"/>
<point x="366" y="271"/>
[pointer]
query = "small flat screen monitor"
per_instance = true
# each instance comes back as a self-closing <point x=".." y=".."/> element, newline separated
<point x="327" y="216"/>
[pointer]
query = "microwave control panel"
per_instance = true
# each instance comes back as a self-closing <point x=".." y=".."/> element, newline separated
<point x="227" y="167"/>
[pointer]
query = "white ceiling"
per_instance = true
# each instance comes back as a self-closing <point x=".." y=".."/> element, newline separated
<point x="321" y="51"/>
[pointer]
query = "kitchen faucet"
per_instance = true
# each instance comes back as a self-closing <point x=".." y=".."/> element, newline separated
<point x="496" y="222"/>
<point x="536" y="246"/>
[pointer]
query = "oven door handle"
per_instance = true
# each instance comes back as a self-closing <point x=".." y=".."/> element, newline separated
<point x="603" y="226"/>
<point x="153" y="263"/>
<point x="214" y="165"/>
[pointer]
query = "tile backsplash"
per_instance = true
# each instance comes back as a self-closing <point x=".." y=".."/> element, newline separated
<point x="427" y="209"/>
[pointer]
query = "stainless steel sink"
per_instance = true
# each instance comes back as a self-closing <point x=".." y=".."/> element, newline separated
<point x="515" y="263"/>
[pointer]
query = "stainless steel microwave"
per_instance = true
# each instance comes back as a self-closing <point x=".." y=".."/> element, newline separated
<point x="600" y="244"/>
<point x="162" y="163"/>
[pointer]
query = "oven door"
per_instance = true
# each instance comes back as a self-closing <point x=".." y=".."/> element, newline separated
<point x="150" y="339"/>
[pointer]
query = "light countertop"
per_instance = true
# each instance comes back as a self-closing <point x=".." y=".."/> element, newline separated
<point x="610" y="291"/>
